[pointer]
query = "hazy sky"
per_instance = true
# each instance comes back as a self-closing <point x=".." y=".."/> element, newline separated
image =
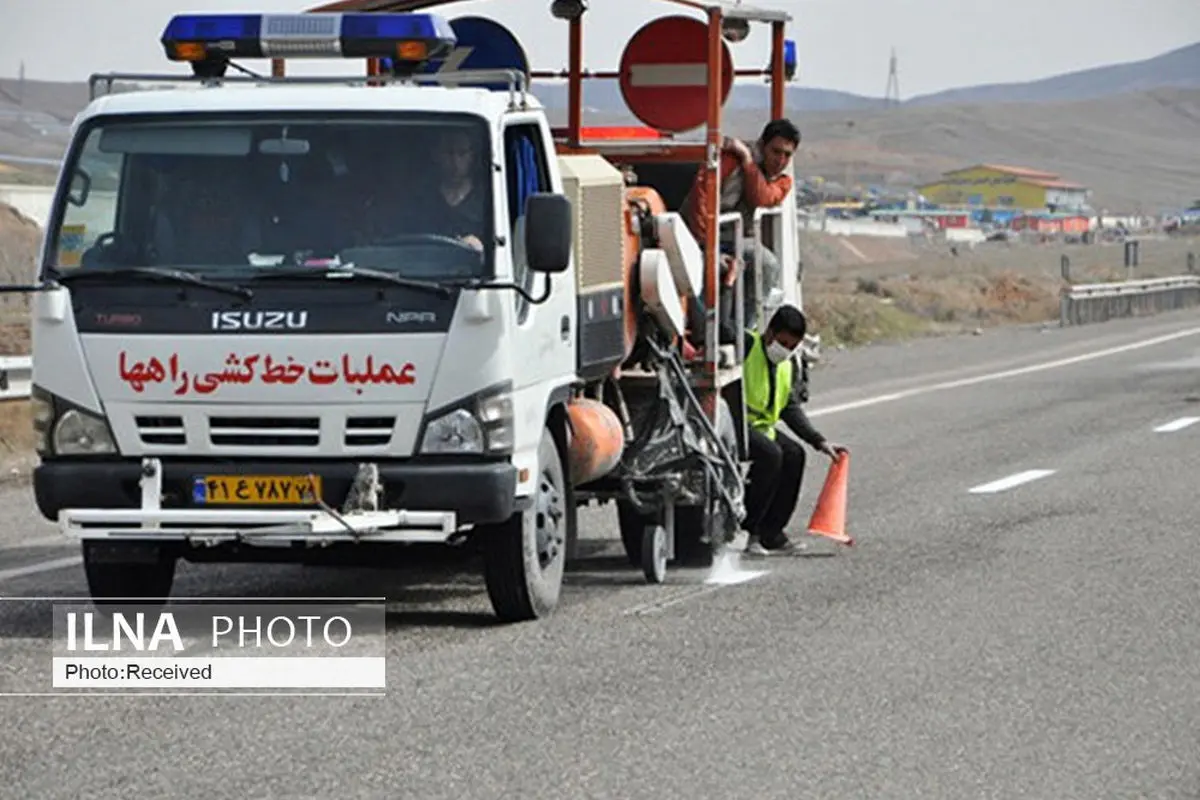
<point x="842" y="44"/>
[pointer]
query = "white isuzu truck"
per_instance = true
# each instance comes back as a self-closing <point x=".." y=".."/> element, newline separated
<point x="325" y="319"/>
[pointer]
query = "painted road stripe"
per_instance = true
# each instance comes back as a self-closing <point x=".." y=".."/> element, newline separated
<point x="995" y="376"/>
<point x="1011" y="481"/>
<point x="50" y="566"/>
<point x="1177" y="425"/>
<point x="726" y="571"/>
<point x="40" y="567"/>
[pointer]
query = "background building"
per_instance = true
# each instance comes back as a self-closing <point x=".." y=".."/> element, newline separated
<point x="989" y="185"/>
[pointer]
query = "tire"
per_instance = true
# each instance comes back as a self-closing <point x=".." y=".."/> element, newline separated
<point x="654" y="554"/>
<point x="698" y="536"/>
<point x="693" y="545"/>
<point x="692" y="548"/>
<point x="523" y="559"/>
<point x="632" y="524"/>
<point x="112" y="581"/>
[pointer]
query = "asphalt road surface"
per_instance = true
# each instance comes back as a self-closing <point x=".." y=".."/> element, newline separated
<point x="1020" y="618"/>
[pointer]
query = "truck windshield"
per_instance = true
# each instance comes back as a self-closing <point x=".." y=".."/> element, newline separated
<point x="237" y="197"/>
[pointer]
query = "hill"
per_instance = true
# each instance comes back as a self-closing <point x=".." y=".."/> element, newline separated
<point x="1126" y="130"/>
<point x="1136" y="151"/>
<point x="1176" y="69"/>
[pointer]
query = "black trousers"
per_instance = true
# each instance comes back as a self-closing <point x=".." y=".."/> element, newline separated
<point x="776" y="470"/>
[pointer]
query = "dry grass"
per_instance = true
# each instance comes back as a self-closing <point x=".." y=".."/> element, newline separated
<point x="17" y="456"/>
<point x="920" y="291"/>
<point x="14" y="338"/>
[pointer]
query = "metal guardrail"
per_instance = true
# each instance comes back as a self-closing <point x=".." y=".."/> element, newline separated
<point x="1081" y="304"/>
<point x="16" y="377"/>
<point x="1088" y="303"/>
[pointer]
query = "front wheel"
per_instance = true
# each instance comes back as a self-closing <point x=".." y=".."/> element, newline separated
<point x="524" y="557"/>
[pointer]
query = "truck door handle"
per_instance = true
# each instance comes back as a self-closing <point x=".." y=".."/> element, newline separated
<point x="565" y="327"/>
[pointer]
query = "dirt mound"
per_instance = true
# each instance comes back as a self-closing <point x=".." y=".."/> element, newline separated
<point x="862" y="309"/>
<point x="20" y="238"/>
<point x="825" y="252"/>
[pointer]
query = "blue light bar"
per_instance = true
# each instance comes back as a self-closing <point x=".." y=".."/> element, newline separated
<point x="411" y="38"/>
<point x="789" y="59"/>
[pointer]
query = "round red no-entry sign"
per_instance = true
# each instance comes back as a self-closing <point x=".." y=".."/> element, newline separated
<point x="664" y="74"/>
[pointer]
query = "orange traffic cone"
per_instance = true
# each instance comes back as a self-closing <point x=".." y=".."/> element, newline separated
<point x="829" y="517"/>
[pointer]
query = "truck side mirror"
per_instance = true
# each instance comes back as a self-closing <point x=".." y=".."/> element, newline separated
<point x="80" y="188"/>
<point x="548" y="229"/>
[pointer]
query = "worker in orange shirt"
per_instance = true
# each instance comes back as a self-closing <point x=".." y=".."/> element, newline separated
<point x="751" y="178"/>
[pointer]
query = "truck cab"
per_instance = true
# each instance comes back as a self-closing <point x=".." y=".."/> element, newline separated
<point x="333" y="318"/>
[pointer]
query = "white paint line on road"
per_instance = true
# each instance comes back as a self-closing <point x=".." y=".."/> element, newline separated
<point x="40" y="541"/>
<point x="727" y="571"/>
<point x="673" y="600"/>
<point x="995" y="376"/>
<point x="63" y="563"/>
<point x="1011" y="481"/>
<point x="1177" y="425"/>
<point x="40" y="567"/>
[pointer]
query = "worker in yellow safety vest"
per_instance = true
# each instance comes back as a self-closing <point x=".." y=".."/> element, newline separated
<point x="776" y="462"/>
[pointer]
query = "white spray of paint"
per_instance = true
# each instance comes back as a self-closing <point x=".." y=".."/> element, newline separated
<point x="727" y="570"/>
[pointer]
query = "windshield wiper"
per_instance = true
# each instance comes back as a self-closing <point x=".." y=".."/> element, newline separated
<point x="344" y="273"/>
<point x="175" y="275"/>
<point x="479" y="284"/>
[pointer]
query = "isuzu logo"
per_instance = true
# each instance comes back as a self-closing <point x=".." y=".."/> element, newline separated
<point x="259" y="320"/>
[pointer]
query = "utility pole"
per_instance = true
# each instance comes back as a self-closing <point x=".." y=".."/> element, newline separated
<point x="891" y="95"/>
<point x="21" y="85"/>
<point x="849" y="156"/>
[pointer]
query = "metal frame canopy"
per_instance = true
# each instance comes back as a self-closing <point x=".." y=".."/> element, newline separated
<point x="717" y="11"/>
<point x="573" y="11"/>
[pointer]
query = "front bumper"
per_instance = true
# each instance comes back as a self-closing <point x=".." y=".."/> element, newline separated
<point x="417" y="502"/>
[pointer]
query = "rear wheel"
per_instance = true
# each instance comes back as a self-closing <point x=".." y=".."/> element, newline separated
<point x="693" y="535"/>
<point x="701" y="531"/>
<point x="632" y="524"/>
<point x="524" y="557"/>
<point x="120" y="573"/>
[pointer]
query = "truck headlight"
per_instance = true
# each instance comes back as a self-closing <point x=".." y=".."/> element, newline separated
<point x="78" y="433"/>
<point x="482" y="425"/>
<point x="456" y="432"/>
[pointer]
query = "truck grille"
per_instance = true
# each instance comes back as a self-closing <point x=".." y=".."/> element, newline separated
<point x="264" y="431"/>
<point x="161" y="430"/>
<point x="369" y="431"/>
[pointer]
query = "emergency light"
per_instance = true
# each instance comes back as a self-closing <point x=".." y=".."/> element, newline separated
<point x="404" y="38"/>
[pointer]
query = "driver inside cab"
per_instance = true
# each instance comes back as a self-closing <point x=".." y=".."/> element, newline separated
<point x="456" y="207"/>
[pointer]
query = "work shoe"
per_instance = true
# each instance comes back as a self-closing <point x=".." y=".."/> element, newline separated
<point x="779" y="544"/>
<point x="773" y="546"/>
<point x="755" y="548"/>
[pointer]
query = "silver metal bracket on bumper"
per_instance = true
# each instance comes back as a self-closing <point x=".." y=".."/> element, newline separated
<point x="361" y="520"/>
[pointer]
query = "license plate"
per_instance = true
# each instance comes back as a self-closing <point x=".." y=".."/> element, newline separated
<point x="286" y="490"/>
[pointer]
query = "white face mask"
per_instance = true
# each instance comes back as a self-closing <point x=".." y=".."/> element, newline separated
<point x="777" y="353"/>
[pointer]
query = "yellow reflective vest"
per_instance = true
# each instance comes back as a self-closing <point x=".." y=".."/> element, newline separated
<point x="764" y="408"/>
